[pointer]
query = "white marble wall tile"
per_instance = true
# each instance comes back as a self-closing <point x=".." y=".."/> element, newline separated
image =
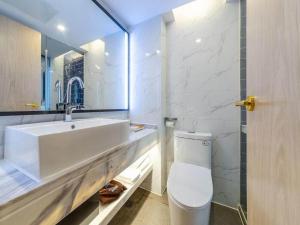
<point x="202" y="85"/>
<point x="105" y="72"/>
<point x="115" y="71"/>
<point x="147" y="81"/>
<point x="93" y="74"/>
<point x="226" y="192"/>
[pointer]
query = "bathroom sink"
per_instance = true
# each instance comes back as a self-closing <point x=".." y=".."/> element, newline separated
<point x="42" y="150"/>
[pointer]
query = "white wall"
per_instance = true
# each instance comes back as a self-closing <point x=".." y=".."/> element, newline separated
<point x="105" y="73"/>
<point x="115" y="71"/>
<point x="93" y="74"/>
<point x="147" y="88"/>
<point x="203" y="83"/>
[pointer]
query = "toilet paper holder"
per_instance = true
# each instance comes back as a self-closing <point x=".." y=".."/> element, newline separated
<point x="170" y="121"/>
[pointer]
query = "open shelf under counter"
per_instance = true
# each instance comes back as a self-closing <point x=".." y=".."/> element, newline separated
<point x="92" y="212"/>
<point x="48" y="202"/>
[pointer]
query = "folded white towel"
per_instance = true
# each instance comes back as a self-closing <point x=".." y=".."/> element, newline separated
<point x="144" y="164"/>
<point x="130" y="175"/>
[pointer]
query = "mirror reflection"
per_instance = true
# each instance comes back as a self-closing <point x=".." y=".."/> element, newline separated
<point x="50" y="42"/>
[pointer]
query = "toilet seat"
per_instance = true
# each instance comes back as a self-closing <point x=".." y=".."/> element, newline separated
<point x="190" y="186"/>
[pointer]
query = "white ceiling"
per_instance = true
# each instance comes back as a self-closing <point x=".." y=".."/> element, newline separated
<point x="133" y="12"/>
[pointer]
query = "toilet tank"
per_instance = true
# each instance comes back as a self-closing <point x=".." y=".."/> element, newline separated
<point x="193" y="147"/>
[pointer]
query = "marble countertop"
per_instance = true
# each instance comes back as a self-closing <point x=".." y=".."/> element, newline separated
<point x="15" y="186"/>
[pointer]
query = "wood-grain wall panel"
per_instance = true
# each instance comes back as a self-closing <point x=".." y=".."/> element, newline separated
<point x="273" y="76"/>
<point x="20" y="65"/>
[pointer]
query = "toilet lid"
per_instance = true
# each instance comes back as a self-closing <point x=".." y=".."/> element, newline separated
<point x="190" y="185"/>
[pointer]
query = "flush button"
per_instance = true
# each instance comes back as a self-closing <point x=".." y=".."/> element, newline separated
<point x="205" y="143"/>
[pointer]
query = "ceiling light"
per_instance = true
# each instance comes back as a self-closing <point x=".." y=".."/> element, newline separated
<point x="198" y="40"/>
<point x="147" y="54"/>
<point x="194" y="10"/>
<point x="61" y="27"/>
<point x="157" y="52"/>
<point x="106" y="53"/>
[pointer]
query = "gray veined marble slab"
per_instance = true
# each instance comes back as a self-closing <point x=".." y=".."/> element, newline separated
<point x="50" y="201"/>
<point x="13" y="183"/>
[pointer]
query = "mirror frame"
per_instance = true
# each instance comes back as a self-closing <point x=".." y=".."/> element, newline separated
<point x="41" y="112"/>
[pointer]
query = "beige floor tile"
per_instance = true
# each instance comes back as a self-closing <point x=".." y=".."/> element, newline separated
<point x="144" y="208"/>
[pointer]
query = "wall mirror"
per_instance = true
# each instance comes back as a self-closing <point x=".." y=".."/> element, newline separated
<point x="45" y="43"/>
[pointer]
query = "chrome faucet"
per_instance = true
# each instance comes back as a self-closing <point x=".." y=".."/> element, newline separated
<point x="58" y="90"/>
<point x="69" y="107"/>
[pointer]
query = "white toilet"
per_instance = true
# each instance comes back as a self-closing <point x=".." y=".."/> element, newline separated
<point x="190" y="187"/>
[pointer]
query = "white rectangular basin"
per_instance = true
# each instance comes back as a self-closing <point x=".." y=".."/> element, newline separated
<point x="42" y="150"/>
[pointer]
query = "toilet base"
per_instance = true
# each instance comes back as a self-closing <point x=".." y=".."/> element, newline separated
<point x="188" y="216"/>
